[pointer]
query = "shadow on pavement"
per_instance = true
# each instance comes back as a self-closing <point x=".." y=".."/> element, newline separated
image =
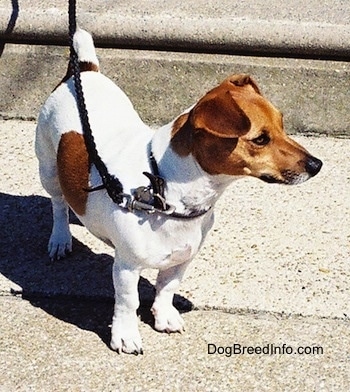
<point x="78" y="289"/>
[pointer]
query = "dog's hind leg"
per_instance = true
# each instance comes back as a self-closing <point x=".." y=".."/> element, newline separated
<point x="60" y="243"/>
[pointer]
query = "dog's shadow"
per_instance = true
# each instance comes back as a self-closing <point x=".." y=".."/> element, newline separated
<point x="78" y="289"/>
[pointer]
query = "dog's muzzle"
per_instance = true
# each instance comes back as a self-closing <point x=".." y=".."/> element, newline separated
<point x="289" y="177"/>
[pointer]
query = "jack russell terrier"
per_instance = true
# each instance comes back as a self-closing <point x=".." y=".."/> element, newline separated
<point x="233" y="131"/>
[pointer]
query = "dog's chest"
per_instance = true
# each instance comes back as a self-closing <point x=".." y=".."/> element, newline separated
<point x="174" y="242"/>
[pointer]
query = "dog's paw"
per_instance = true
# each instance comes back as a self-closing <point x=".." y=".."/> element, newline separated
<point x="60" y="245"/>
<point x="167" y="319"/>
<point x="126" y="337"/>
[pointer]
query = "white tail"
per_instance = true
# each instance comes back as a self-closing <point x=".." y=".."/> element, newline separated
<point x="84" y="46"/>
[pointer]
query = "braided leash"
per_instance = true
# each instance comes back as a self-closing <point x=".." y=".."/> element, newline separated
<point x="110" y="183"/>
<point x="148" y="199"/>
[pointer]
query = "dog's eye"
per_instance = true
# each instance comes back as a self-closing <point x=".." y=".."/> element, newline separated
<point x="261" y="140"/>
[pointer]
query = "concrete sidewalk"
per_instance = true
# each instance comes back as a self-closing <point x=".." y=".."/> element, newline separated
<point x="274" y="271"/>
<point x="48" y="346"/>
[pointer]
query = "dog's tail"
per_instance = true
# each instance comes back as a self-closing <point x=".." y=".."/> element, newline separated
<point x="84" y="47"/>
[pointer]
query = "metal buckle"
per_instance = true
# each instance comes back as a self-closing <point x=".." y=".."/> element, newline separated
<point x="161" y="201"/>
<point x="139" y="206"/>
<point x="132" y="204"/>
<point x="170" y="209"/>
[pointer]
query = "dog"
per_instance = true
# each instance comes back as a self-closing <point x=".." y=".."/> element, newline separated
<point x="231" y="132"/>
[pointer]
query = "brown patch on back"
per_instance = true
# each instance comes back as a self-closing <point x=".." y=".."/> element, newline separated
<point x="83" y="65"/>
<point x="88" y="66"/>
<point x="73" y="170"/>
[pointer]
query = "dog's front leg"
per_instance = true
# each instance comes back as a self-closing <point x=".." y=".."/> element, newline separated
<point x="166" y="316"/>
<point x="125" y="333"/>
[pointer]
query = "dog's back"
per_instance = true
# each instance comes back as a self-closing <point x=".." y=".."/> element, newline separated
<point x="110" y="110"/>
<point x="111" y="114"/>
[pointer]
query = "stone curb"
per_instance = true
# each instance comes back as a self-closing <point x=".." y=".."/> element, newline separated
<point x="197" y="27"/>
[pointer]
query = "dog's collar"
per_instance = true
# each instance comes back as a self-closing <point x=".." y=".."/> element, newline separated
<point x="151" y="199"/>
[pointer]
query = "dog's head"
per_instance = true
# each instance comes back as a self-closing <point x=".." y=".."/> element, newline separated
<point x="234" y="130"/>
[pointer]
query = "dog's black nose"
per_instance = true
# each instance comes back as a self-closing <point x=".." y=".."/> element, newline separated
<point x="313" y="165"/>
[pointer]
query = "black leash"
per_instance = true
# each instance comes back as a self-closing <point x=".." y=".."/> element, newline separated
<point x="110" y="183"/>
<point x="148" y="199"/>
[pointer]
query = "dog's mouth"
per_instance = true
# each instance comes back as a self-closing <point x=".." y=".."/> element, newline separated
<point x="288" y="178"/>
<point x="271" y="179"/>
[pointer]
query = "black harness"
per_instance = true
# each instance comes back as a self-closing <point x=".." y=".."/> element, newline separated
<point x="149" y="199"/>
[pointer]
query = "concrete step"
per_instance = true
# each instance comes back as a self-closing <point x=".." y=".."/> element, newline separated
<point x="313" y="93"/>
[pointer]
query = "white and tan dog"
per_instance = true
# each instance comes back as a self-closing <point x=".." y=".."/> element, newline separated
<point x="232" y="131"/>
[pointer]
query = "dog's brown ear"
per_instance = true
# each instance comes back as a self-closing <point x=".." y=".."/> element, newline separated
<point x="241" y="80"/>
<point x="182" y="135"/>
<point x="220" y="116"/>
